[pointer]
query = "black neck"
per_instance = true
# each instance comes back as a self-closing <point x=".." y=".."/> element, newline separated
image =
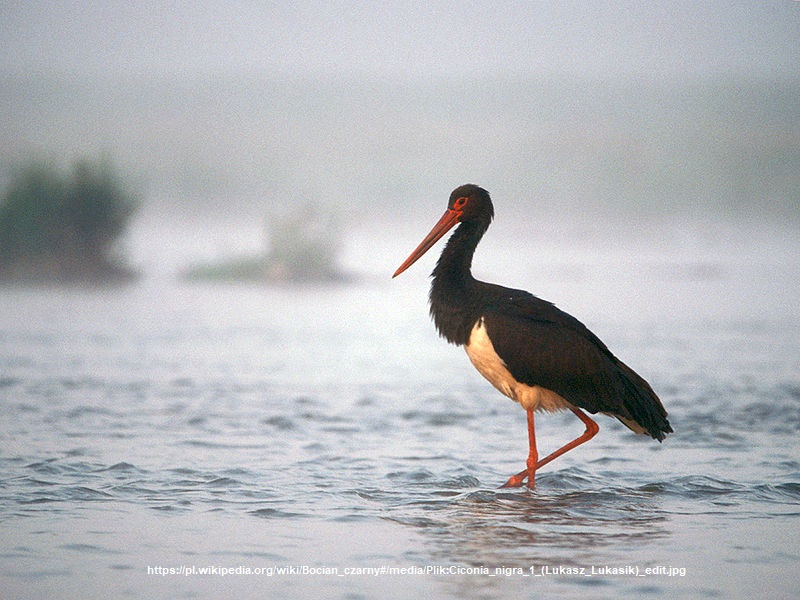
<point x="456" y="259"/>
<point x="454" y="299"/>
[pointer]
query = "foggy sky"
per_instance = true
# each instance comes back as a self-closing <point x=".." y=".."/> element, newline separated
<point x="192" y="99"/>
<point x="401" y="39"/>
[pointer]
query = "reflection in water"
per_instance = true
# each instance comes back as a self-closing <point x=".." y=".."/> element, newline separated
<point x="564" y="519"/>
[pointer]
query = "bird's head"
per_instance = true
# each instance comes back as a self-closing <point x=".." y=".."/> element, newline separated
<point x="468" y="203"/>
<point x="472" y="203"/>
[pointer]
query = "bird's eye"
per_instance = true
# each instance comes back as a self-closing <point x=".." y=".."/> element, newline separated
<point x="460" y="202"/>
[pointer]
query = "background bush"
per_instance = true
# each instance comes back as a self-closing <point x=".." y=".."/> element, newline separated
<point x="61" y="226"/>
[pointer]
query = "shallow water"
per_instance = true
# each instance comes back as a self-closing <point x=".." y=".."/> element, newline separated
<point x="167" y="426"/>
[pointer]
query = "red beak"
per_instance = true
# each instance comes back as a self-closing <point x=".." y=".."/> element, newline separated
<point x="445" y="224"/>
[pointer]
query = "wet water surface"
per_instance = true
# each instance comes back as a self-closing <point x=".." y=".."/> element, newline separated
<point x="313" y="441"/>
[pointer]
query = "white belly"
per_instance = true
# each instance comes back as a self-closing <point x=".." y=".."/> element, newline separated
<point x="481" y="352"/>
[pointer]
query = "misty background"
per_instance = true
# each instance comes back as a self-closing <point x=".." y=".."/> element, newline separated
<point x="619" y="130"/>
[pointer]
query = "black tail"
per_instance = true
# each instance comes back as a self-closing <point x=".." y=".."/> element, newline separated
<point x="643" y="405"/>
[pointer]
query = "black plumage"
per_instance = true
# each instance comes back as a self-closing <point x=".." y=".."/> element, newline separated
<point x="539" y="345"/>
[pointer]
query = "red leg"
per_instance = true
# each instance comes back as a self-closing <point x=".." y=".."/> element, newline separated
<point x="591" y="430"/>
<point x="533" y="463"/>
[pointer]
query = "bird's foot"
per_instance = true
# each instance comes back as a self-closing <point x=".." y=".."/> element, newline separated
<point x="517" y="480"/>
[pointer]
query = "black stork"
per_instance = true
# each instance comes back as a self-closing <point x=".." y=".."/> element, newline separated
<point x="531" y="351"/>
